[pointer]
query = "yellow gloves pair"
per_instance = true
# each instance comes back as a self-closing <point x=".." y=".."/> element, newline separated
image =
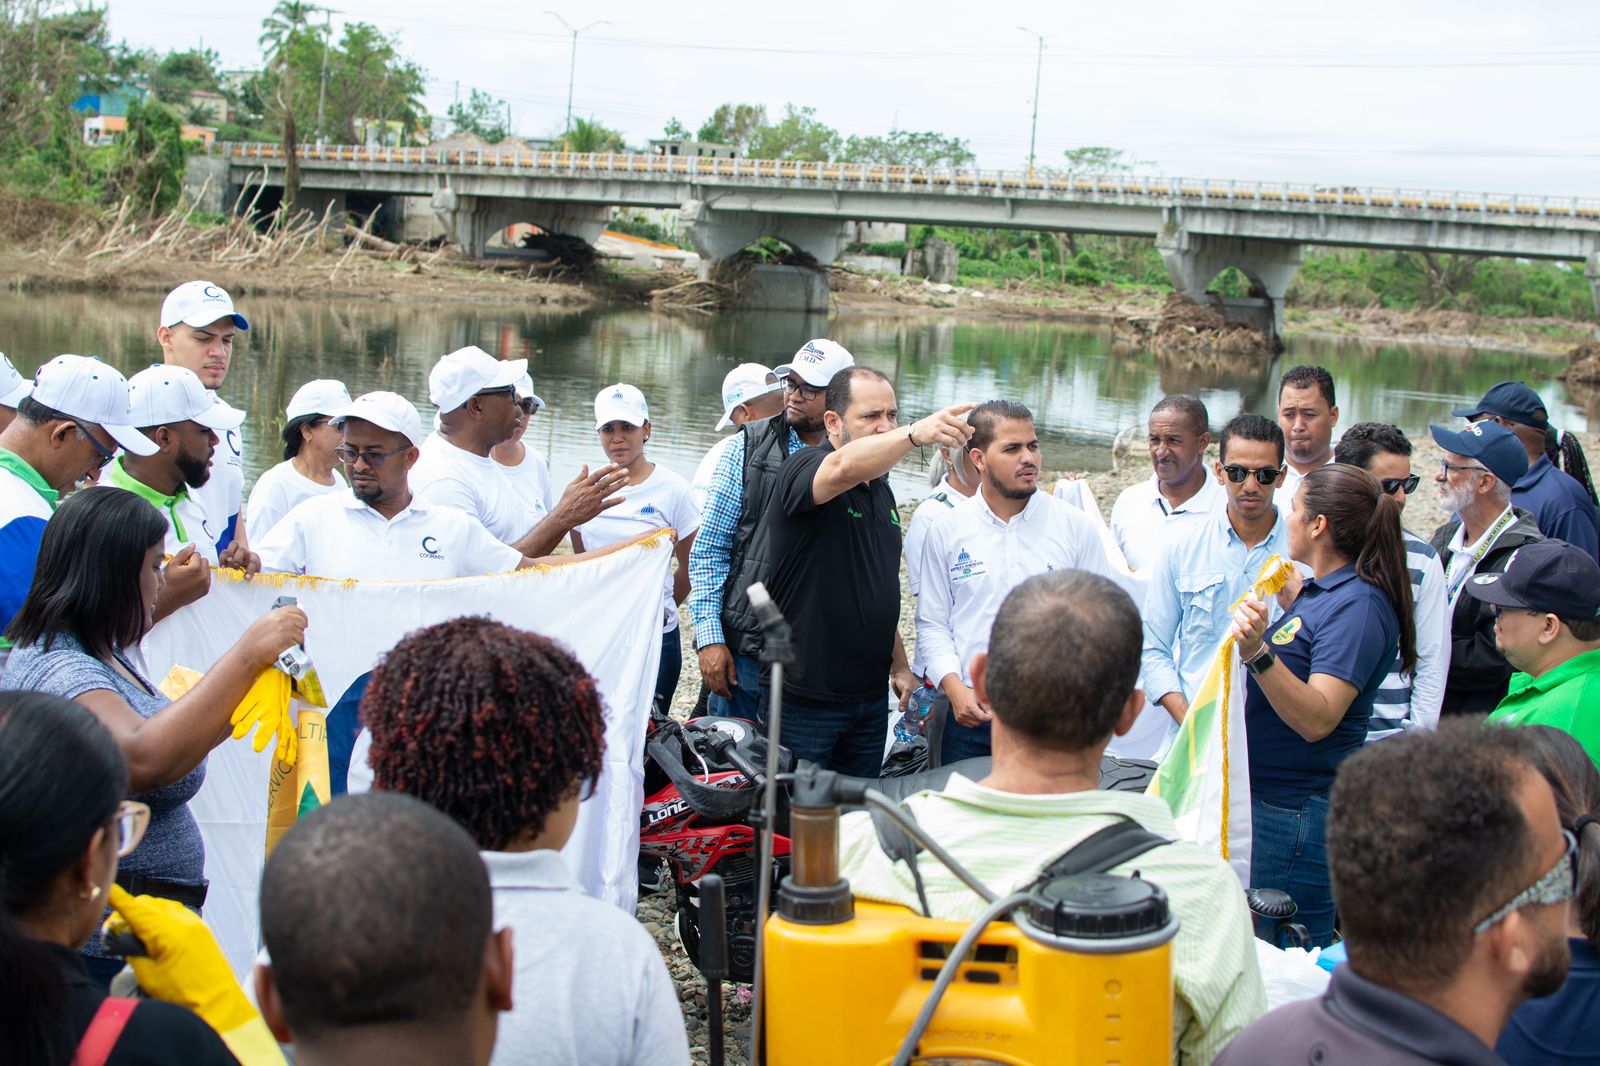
<point x="265" y="708"/>
<point x="184" y="965"/>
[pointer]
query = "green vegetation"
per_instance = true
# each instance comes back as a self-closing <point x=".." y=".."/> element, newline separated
<point x="1407" y="281"/>
<point x="800" y="135"/>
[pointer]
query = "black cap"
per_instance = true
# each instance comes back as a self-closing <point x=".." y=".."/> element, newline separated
<point x="1547" y="575"/>
<point x="1512" y="401"/>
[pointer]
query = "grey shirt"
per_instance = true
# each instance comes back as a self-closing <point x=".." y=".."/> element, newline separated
<point x="171" y="848"/>
<point x="589" y="984"/>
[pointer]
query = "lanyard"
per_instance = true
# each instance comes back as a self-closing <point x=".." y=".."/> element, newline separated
<point x="1453" y="588"/>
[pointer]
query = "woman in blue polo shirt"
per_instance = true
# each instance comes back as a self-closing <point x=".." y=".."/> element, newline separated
<point x="1312" y="680"/>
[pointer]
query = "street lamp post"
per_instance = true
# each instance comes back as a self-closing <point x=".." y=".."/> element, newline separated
<point x="1038" y="71"/>
<point x="572" y="63"/>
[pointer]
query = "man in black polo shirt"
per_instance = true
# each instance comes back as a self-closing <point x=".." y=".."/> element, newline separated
<point x="834" y="541"/>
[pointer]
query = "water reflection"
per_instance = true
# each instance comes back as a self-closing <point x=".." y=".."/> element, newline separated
<point x="1083" y="387"/>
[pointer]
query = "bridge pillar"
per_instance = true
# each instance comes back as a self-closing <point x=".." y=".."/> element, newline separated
<point x="473" y="220"/>
<point x="716" y="235"/>
<point x="1194" y="259"/>
<point x="1591" y="270"/>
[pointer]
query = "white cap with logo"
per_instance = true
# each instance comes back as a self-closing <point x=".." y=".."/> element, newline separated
<point x="465" y="372"/>
<point x="620" y="403"/>
<point x="83" y="388"/>
<point x="163" y="394"/>
<point x="525" y="392"/>
<point x="320" y="397"/>
<point x="199" y="304"/>
<point x="742" y="384"/>
<point x="14" y="388"/>
<point x="386" y="410"/>
<point x="816" y="363"/>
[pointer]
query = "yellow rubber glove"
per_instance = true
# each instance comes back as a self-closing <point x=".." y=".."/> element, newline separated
<point x="265" y="708"/>
<point x="184" y="965"/>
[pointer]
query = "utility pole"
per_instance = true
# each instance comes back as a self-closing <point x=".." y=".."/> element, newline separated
<point x="322" y="89"/>
<point x="572" y="63"/>
<point x="1038" y="71"/>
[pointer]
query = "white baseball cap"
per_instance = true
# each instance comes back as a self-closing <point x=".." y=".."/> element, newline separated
<point x="320" y="397"/>
<point x="620" y="403"/>
<point x="744" y="383"/>
<point x="84" y="388"/>
<point x="14" y="388"/>
<point x="816" y="363"/>
<point x="163" y="394"/>
<point x="199" y="304"/>
<point x="386" y="410"/>
<point x="525" y="392"/>
<point x="465" y="372"/>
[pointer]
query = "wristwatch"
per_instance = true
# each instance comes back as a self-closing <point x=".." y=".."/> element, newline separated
<point x="1261" y="662"/>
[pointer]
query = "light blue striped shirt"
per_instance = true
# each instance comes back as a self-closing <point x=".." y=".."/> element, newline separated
<point x="1196" y="578"/>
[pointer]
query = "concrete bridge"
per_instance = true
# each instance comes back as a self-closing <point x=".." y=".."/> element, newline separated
<point x="1201" y="226"/>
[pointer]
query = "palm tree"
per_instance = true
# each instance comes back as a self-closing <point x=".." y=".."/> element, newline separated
<point x="287" y="19"/>
<point x="587" y="135"/>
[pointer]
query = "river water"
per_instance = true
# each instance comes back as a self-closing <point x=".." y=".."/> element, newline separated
<point x="1082" y="389"/>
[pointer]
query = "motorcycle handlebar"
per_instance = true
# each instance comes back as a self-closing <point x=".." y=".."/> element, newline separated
<point x="723" y="747"/>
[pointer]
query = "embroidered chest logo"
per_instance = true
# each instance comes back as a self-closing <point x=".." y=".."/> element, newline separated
<point x="1286" y="632"/>
<point x="430" y="549"/>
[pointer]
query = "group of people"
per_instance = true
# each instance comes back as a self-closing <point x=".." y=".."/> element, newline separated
<point x="1042" y="637"/>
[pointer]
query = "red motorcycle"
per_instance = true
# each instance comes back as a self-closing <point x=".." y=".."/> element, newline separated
<point x="702" y="781"/>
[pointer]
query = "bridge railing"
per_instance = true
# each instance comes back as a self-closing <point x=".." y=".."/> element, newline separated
<point x="1049" y="184"/>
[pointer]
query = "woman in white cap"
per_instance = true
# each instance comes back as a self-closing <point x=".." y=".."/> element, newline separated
<point x="525" y="465"/>
<point x="653" y="498"/>
<point x="309" y="467"/>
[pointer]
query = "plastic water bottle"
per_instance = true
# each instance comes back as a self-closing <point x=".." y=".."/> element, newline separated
<point x="916" y="716"/>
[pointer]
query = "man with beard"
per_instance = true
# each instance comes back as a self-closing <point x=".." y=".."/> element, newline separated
<point x="379" y="531"/>
<point x="1452" y="875"/>
<point x="833" y="538"/>
<point x="1307" y="413"/>
<point x="1147" y="516"/>
<point x="728" y="553"/>
<point x="174" y="409"/>
<point x="1481" y="464"/>
<point x="978" y="552"/>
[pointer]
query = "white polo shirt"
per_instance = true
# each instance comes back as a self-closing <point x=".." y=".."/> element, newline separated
<point x="223" y="491"/>
<point x="277" y="491"/>
<point x="1289" y="484"/>
<point x="1142" y="519"/>
<point x="531" y="479"/>
<point x="448" y="476"/>
<point x="340" y="537"/>
<point x="972" y="558"/>
<point x="188" y="522"/>
<point x="661" y="501"/>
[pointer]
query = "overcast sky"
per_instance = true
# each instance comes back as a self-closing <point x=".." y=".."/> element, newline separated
<point x="1447" y="94"/>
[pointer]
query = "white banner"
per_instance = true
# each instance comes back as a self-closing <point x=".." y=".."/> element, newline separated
<point x="604" y="606"/>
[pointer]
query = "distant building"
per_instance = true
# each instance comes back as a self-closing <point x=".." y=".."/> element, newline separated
<point x="103" y="129"/>
<point x="111" y="101"/>
<point x="697" y="149"/>
<point x="213" y="105"/>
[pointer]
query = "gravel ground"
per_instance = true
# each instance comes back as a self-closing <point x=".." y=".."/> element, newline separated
<point x="657" y="913"/>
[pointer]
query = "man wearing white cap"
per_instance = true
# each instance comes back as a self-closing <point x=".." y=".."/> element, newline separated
<point x="66" y="431"/>
<point x="477" y="399"/>
<point x="524" y="464"/>
<point x="309" y="466"/>
<point x="183" y="418"/>
<point x="13" y="389"/>
<point x="198" y="323"/>
<point x="750" y="392"/>
<point x="379" y="531"/>
<point x="721" y="569"/>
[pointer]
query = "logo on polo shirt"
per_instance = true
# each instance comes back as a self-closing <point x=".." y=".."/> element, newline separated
<point x="430" y="549"/>
<point x="647" y="509"/>
<point x="966" y="567"/>
<point x="1286" y="632"/>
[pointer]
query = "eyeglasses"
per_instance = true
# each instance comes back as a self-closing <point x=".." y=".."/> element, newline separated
<point x="132" y="819"/>
<point x="1445" y="466"/>
<point x="1499" y="610"/>
<point x="526" y="403"/>
<point x="1558" y="885"/>
<point x="792" y="383"/>
<point x="1408" y="485"/>
<point x="372" y="457"/>
<point x="1265" y="476"/>
<point x="105" y="456"/>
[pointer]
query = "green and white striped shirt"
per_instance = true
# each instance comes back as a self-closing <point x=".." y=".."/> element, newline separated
<point x="1005" y="839"/>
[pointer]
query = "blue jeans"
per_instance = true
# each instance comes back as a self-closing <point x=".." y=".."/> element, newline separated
<point x="745" y="700"/>
<point x="1288" y="851"/>
<point x="848" y="738"/>
<point x="671" y="666"/>
<point x="959" y="741"/>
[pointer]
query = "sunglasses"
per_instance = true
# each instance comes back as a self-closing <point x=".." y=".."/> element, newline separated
<point x="105" y="456"/>
<point x="1408" y="485"/>
<point x="526" y="403"/>
<point x="504" y="390"/>
<point x="1558" y="885"/>
<point x="372" y="457"/>
<point x="132" y="819"/>
<point x="1498" y="610"/>
<point x="1265" y="475"/>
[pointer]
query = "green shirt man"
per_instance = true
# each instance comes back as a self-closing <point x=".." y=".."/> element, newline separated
<point x="1567" y="697"/>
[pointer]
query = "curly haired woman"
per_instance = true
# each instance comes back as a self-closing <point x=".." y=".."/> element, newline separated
<point x="503" y="730"/>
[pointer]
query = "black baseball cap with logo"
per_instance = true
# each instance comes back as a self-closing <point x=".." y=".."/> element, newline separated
<point x="1549" y="576"/>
